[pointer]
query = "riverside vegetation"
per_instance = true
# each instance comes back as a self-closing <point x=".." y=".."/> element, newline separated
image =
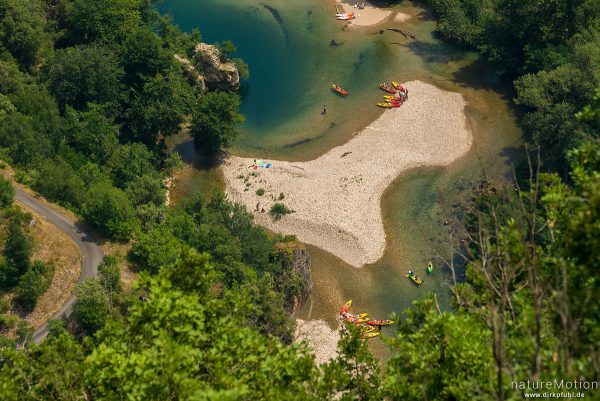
<point x="90" y="89"/>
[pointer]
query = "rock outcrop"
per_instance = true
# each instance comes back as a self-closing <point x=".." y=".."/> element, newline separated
<point x="217" y="75"/>
<point x="192" y="73"/>
<point x="299" y="262"/>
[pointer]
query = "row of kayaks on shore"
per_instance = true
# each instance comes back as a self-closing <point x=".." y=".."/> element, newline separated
<point x="398" y="95"/>
<point x="367" y="325"/>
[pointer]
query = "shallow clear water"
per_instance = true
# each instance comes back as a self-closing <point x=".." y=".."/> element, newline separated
<point x="292" y="66"/>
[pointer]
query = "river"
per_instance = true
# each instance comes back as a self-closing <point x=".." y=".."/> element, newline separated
<point x="295" y="51"/>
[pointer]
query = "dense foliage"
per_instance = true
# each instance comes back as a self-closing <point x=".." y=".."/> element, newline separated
<point x="550" y="48"/>
<point x="88" y="93"/>
<point x="28" y="279"/>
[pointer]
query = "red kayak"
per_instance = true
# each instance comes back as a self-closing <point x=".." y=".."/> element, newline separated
<point x="339" y="90"/>
<point x="345" y="307"/>
<point x="388" y="89"/>
<point x="397" y="86"/>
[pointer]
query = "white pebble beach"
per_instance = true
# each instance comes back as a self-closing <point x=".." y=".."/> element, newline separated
<point x="336" y="199"/>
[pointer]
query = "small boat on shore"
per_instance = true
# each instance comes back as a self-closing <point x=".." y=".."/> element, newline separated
<point x="429" y="268"/>
<point x="345" y="307"/>
<point x="388" y="105"/>
<point x="383" y="322"/>
<point x="345" y="16"/>
<point x="367" y="329"/>
<point x="397" y="86"/>
<point x="414" y="278"/>
<point x="370" y="335"/>
<point x="392" y="97"/>
<point x="386" y="88"/>
<point x="357" y="320"/>
<point x="337" y="89"/>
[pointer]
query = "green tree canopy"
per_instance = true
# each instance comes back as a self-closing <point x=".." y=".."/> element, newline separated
<point x="109" y="21"/>
<point x="87" y="73"/>
<point x="7" y="193"/>
<point x="216" y="121"/>
<point x="92" y="306"/>
<point x="109" y="209"/>
<point x="24" y="31"/>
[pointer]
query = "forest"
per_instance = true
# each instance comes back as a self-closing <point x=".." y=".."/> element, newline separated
<point x="89" y="92"/>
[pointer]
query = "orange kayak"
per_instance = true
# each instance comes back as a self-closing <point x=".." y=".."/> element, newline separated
<point x="339" y="90"/>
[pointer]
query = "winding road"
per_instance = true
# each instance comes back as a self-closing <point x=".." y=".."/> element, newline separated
<point x="91" y="252"/>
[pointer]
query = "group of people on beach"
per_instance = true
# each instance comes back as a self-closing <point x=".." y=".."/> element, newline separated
<point x="360" y="6"/>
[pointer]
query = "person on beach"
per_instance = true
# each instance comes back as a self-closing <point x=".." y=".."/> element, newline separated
<point x="263" y="210"/>
<point x="257" y="206"/>
<point x="324" y="109"/>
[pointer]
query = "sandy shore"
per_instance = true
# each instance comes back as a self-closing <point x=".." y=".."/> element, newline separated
<point x="321" y="339"/>
<point x="336" y="198"/>
<point x="369" y="15"/>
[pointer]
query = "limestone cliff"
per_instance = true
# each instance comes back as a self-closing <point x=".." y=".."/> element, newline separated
<point x="299" y="265"/>
<point x="208" y="72"/>
<point x="217" y="75"/>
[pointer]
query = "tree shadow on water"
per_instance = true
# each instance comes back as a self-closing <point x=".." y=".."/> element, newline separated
<point x="435" y="53"/>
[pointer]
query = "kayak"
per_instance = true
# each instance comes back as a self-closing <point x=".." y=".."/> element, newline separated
<point x="345" y="307"/>
<point x="367" y="329"/>
<point x="386" y="88"/>
<point x="388" y="105"/>
<point x="415" y="279"/>
<point x="392" y="97"/>
<point x="361" y="316"/>
<point x="339" y="90"/>
<point x="429" y="268"/>
<point x="397" y="86"/>
<point x="384" y="322"/>
<point x="345" y="17"/>
<point x="370" y="335"/>
<point x="357" y="320"/>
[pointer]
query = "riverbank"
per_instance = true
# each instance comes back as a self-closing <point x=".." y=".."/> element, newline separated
<point x="320" y="338"/>
<point x="336" y="198"/>
<point x="370" y="15"/>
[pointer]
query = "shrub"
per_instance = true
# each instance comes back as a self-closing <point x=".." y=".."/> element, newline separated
<point x="7" y="322"/>
<point x="7" y="193"/>
<point x="278" y="210"/>
<point x="33" y="284"/>
<point x="260" y="192"/>
<point x="92" y="307"/>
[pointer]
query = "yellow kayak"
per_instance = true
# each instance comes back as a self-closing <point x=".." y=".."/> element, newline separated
<point x="388" y="105"/>
<point x="371" y="335"/>
<point x="345" y="307"/>
<point x="397" y="86"/>
<point x="368" y="329"/>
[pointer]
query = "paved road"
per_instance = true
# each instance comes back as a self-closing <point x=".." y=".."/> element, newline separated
<point x="90" y="250"/>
